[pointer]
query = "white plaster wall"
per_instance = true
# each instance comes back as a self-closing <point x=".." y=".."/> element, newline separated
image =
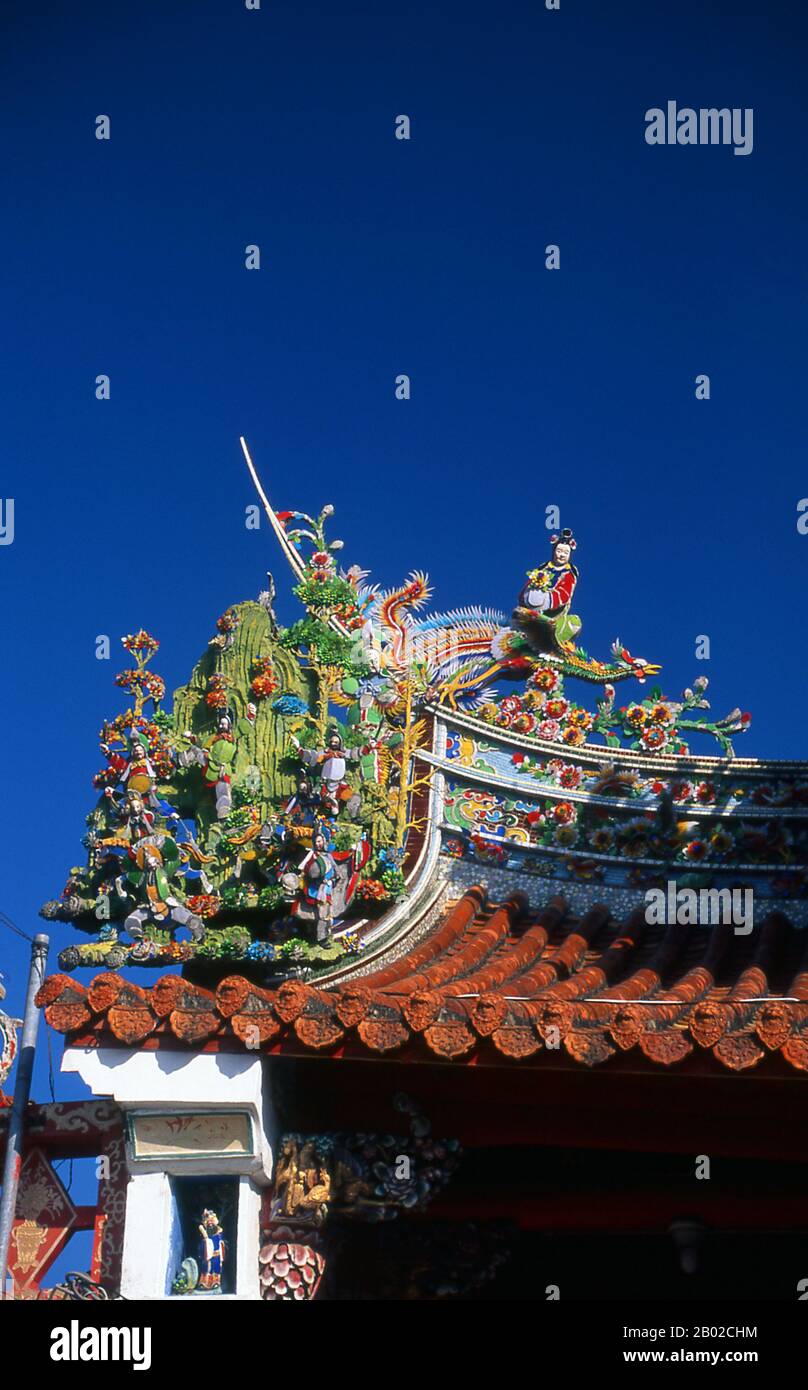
<point x="249" y="1239"/>
<point x="135" y="1077"/>
<point x="177" y="1081"/>
<point x="147" y="1236"/>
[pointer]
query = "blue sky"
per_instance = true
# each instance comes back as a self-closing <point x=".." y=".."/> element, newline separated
<point x="380" y="257"/>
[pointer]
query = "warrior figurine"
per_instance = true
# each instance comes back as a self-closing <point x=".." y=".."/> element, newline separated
<point x="155" y="860"/>
<point x="299" y="811"/>
<point x="212" y="1252"/>
<point x="214" y="758"/>
<point x="317" y="872"/>
<point x="331" y="763"/>
<point x="322" y="886"/>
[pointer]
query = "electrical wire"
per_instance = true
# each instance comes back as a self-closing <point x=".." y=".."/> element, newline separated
<point x="50" y="1065"/>
<point x="6" y="921"/>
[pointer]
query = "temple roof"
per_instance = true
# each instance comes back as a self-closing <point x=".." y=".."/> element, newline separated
<point x="493" y="982"/>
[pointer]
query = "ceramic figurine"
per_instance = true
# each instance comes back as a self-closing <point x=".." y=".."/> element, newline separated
<point x="331" y="764"/>
<point x="547" y="595"/>
<point x="212" y="1253"/>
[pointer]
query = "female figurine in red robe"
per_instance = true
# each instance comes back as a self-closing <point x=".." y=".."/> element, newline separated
<point x="544" y="603"/>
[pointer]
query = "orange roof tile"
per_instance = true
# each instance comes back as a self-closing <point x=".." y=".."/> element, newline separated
<point x="493" y="981"/>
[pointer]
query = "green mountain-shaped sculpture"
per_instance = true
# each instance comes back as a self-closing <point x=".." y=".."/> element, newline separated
<point x="263" y="743"/>
<point x="250" y="823"/>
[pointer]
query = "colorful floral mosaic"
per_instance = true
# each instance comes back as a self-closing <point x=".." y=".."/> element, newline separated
<point x="654" y="724"/>
<point x="494" y="824"/>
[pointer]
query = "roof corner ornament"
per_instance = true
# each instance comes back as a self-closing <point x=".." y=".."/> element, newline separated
<point x="456" y="658"/>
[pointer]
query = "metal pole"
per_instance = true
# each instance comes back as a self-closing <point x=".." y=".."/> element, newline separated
<point x="22" y="1091"/>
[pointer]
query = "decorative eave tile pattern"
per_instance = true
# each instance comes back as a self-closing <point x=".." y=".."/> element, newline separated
<point x="494" y="982"/>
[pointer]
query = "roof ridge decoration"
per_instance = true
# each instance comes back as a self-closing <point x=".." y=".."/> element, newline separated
<point x="8" y="1050"/>
<point x="450" y="658"/>
<point x="268" y="817"/>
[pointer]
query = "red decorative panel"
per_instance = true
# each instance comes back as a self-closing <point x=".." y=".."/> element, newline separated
<point x="45" y="1219"/>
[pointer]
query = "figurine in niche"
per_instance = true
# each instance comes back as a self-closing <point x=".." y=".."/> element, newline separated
<point x="331" y="765"/>
<point x="543" y="612"/>
<point x="212" y="1252"/>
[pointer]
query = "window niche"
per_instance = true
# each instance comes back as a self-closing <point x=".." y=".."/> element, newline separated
<point x="205" y="1244"/>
